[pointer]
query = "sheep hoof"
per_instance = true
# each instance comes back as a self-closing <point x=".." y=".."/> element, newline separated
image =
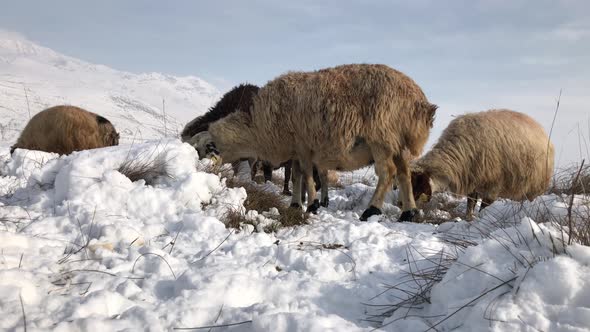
<point x="325" y="202"/>
<point x="295" y="205"/>
<point x="408" y="215"/>
<point x="371" y="211"/>
<point x="313" y="208"/>
<point x="287" y="192"/>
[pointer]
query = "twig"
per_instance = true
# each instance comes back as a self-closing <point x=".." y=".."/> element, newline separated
<point x="469" y="303"/>
<point x="103" y="272"/>
<point x="569" y="207"/>
<point x="153" y="253"/>
<point x="175" y="238"/>
<point x="164" y="113"/>
<point x="551" y="131"/>
<point x="219" y="245"/>
<point x="27" y="98"/>
<point x="217" y="318"/>
<point x="212" y="326"/>
<point x="22" y="307"/>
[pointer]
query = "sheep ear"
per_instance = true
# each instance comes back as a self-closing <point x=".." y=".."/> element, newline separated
<point x="428" y="111"/>
<point x="216" y="159"/>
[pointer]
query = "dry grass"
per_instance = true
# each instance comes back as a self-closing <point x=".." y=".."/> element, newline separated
<point x="423" y="272"/>
<point x="234" y="218"/>
<point x="565" y="182"/>
<point x="146" y="167"/>
<point x="572" y="184"/>
<point x="441" y="208"/>
<point x="258" y="199"/>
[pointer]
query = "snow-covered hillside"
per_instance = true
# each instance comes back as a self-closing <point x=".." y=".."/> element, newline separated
<point x="33" y="78"/>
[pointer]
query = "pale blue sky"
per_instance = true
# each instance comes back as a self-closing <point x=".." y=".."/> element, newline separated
<point x="466" y="55"/>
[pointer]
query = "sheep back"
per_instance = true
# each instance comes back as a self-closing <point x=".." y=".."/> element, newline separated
<point x="237" y="99"/>
<point x="501" y="153"/>
<point x="331" y="112"/>
<point x="64" y="129"/>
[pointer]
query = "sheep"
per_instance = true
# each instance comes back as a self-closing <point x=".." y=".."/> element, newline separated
<point x="339" y="118"/>
<point x="490" y="154"/>
<point x="239" y="98"/>
<point x="63" y="129"/>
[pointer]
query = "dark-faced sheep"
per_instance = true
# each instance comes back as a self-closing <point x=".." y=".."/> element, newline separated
<point x="491" y="154"/>
<point x="238" y="99"/>
<point x="64" y="129"/>
<point x="340" y="118"/>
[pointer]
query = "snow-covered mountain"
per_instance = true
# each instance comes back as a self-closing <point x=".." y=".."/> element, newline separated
<point x="141" y="106"/>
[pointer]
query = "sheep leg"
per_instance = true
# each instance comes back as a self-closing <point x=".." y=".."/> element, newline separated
<point x="317" y="179"/>
<point x="307" y="172"/>
<point x="236" y="167"/>
<point x="323" y="179"/>
<point x="286" y="190"/>
<point x="485" y="202"/>
<point x="404" y="180"/>
<point x="400" y="196"/>
<point x="385" y="170"/>
<point x="303" y="190"/>
<point x="471" y="201"/>
<point x="267" y="170"/>
<point x="296" y="177"/>
<point x="253" y="168"/>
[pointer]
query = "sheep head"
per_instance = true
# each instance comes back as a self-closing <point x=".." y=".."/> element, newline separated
<point x="425" y="182"/>
<point x="203" y="143"/>
<point x="109" y="134"/>
<point x="421" y="183"/>
<point x="233" y="137"/>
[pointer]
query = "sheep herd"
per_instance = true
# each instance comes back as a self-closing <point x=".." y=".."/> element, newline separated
<point x="343" y="118"/>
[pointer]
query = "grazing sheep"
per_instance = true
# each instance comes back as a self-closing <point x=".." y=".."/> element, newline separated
<point x="64" y="129"/>
<point x="340" y="118"/>
<point x="491" y="154"/>
<point x="239" y="98"/>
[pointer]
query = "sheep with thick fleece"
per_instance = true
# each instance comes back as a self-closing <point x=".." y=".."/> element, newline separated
<point x="238" y="99"/>
<point x="64" y="129"/>
<point x="340" y="118"/>
<point x="491" y="154"/>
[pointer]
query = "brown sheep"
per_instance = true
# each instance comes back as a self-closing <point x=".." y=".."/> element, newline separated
<point x="491" y="154"/>
<point x="64" y="129"/>
<point x="340" y="118"/>
<point x="239" y="98"/>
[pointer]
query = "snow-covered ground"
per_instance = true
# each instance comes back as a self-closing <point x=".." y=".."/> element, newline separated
<point x="84" y="248"/>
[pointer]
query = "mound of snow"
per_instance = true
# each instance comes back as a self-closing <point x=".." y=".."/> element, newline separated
<point x="88" y="245"/>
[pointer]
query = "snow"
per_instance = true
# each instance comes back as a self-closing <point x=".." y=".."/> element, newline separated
<point x="87" y="248"/>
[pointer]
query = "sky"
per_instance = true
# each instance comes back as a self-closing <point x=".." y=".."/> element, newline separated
<point x="466" y="55"/>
